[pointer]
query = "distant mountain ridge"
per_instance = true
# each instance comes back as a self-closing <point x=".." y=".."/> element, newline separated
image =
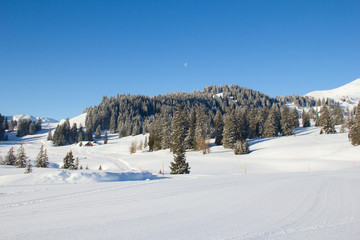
<point x="32" y="118"/>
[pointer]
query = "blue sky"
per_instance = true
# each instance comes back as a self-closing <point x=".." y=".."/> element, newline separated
<point x="59" y="57"/>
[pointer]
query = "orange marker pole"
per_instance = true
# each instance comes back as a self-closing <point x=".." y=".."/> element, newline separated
<point x="245" y="168"/>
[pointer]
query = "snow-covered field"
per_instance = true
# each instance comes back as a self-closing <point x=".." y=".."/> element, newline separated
<point x="305" y="186"/>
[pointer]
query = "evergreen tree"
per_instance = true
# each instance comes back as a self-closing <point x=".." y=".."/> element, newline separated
<point x="105" y="138"/>
<point x="42" y="158"/>
<point x="21" y="157"/>
<point x="38" y="125"/>
<point x="69" y="161"/>
<point x="10" y="157"/>
<point x="305" y="119"/>
<point x="112" y="122"/>
<point x="98" y="132"/>
<point x="271" y="125"/>
<point x="338" y="115"/>
<point x="229" y="133"/>
<point x="354" y="132"/>
<point x="241" y="147"/>
<point x="50" y="137"/>
<point x="32" y="128"/>
<point x="179" y="165"/>
<point x="100" y="168"/>
<point x="287" y="125"/>
<point x="28" y="168"/>
<point x="200" y="128"/>
<point x="88" y="135"/>
<point x="294" y="118"/>
<point x="2" y="127"/>
<point x="166" y="132"/>
<point x="326" y="121"/>
<point x="219" y="128"/>
<point x="73" y="134"/>
<point x="190" y="135"/>
<point x="146" y="142"/>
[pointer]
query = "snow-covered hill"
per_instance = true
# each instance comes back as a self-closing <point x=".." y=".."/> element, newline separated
<point x="348" y="95"/>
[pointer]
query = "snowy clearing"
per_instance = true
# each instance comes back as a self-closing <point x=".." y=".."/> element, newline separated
<point x="305" y="186"/>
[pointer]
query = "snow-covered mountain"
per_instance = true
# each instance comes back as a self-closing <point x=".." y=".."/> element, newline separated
<point x="348" y="95"/>
<point x="44" y="120"/>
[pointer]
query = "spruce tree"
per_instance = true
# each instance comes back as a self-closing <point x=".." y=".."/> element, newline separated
<point x="28" y="168"/>
<point x="190" y="135"/>
<point x="219" y="128"/>
<point x="42" y="160"/>
<point x="166" y="132"/>
<point x="305" y="119"/>
<point x="105" y="138"/>
<point x="354" y="132"/>
<point x="270" y="126"/>
<point x="287" y="125"/>
<point x="294" y="118"/>
<point x="326" y="121"/>
<point x="50" y="137"/>
<point x="241" y="147"/>
<point x="21" y="157"/>
<point x="179" y="165"/>
<point x="10" y="157"/>
<point x="98" y="132"/>
<point x="32" y="128"/>
<point x="229" y="133"/>
<point x="200" y="128"/>
<point x="112" y="127"/>
<point x="69" y="161"/>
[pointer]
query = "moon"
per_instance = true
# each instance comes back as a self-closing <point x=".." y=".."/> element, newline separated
<point x="185" y="64"/>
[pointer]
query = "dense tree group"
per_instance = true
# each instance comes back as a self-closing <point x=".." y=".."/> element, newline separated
<point x="354" y="132"/>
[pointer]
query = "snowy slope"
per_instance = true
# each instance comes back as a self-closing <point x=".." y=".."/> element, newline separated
<point x="305" y="186"/>
<point x="348" y="95"/>
<point x="78" y="120"/>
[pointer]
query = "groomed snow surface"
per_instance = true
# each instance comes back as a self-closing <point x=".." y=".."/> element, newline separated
<point x="305" y="186"/>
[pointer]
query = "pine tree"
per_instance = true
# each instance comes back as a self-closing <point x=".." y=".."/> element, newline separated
<point x="38" y="124"/>
<point x="42" y="158"/>
<point x="50" y="137"/>
<point x="69" y="161"/>
<point x="326" y="121"/>
<point x="241" y="147"/>
<point x="294" y="118"/>
<point x="105" y="138"/>
<point x="32" y="128"/>
<point x="21" y="157"/>
<point x="287" y="126"/>
<point x="28" y="168"/>
<point x="200" y="128"/>
<point x="305" y="119"/>
<point x="179" y="165"/>
<point x="271" y="125"/>
<point x="10" y="157"/>
<point x="229" y="133"/>
<point x="166" y="132"/>
<point x="98" y="132"/>
<point x="338" y="114"/>
<point x="219" y="128"/>
<point x="100" y="168"/>
<point x="354" y="132"/>
<point x="190" y="135"/>
<point x="112" y="122"/>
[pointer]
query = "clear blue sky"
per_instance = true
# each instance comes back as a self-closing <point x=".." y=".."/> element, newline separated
<point x="59" y="57"/>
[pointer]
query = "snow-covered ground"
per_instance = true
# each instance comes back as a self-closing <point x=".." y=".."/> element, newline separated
<point x="348" y="95"/>
<point x="305" y="186"/>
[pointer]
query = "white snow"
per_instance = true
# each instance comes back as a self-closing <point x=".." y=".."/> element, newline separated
<point x="297" y="187"/>
<point x="78" y="120"/>
<point x="348" y="95"/>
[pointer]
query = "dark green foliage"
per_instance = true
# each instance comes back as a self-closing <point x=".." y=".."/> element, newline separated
<point x="219" y="128"/>
<point x="326" y="121"/>
<point x="69" y="161"/>
<point x="21" y="157"/>
<point x="305" y="119"/>
<point x="287" y="124"/>
<point x="50" y="137"/>
<point x="271" y="128"/>
<point x="38" y="125"/>
<point x="190" y="135"/>
<point x="229" y="133"/>
<point x="179" y="165"/>
<point x="294" y="118"/>
<point x="166" y="131"/>
<point x="354" y="132"/>
<point x="42" y="159"/>
<point x="241" y="147"/>
<point x="10" y="157"/>
<point x="105" y="138"/>
<point x="98" y="132"/>
<point x="24" y="127"/>
<point x="338" y="115"/>
<point x="3" y="124"/>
